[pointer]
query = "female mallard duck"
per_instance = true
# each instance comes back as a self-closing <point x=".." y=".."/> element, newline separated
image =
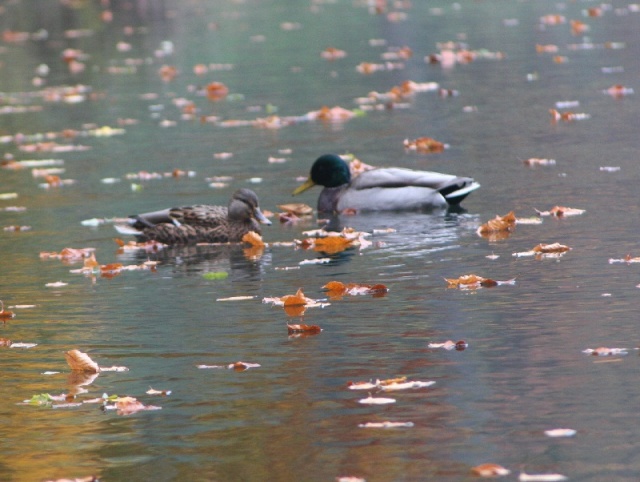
<point x="200" y="223"/>
<point x="388" y="188"/>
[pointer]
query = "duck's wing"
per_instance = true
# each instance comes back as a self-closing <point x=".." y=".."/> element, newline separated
<point x="200" y="215"/>
<point x="453" y="188"/>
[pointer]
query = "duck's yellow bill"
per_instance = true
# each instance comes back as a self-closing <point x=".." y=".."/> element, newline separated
<point x="303" y="187"/>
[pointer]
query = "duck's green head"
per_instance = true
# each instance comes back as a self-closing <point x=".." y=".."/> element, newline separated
<point x="329" y="170"/>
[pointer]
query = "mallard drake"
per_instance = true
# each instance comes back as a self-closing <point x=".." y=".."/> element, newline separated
<point x="386" y="188"/>
<point x="200" y="223"/>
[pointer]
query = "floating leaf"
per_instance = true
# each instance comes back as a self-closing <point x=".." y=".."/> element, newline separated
<point x="236" y="298"/>
<point x="524" y="477"/>
<point x="376" y="400"/>
<point x="490" y="470"/>
<point x="385" y="424"/>
<point x="80" y="361"/>
<point x="337" y="288"/>
<point x="604" y="351"/>
<point x="241" y="366"/>
<point x="424" y="145"/>
<point x="498" y="228"/>
<point x="299" y="209"/>
<point x="153" y="391"/>
<point x="331" y="244"/>
<point x="292" y="301"/>
<point x="560" y="432"/>
<point x="553" y="250"/>
<point x="535" y="161"/>
<point x="472" y="281"/>
<point x="388" y="387"/>
<point x="131" y="405"/>
<point x="215" y="275"/>
<point x="5" y="314"/>
<point x="459" y="345"/>
<point x="561" y="211"/>
<point x="56" y="284"/>
<point x="68" y="254"/>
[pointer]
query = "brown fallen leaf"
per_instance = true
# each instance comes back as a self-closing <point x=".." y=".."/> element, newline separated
<point x="424" y="145"/>
<point x="337" y="289"/>
<point x="552" y="250"/>
<point x="500" y="225"/>
<point x="299" y="209"/>
<point x="472" y="281"/>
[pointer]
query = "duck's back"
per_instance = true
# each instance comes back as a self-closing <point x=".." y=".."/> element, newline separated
<point x="201" y="215"/>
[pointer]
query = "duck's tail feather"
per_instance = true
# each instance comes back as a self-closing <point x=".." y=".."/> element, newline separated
<point x="458" y="189"/>
<point x="127" y="230"/>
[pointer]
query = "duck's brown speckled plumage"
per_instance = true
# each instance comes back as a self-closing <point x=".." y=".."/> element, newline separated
<point x="202" y="223"/>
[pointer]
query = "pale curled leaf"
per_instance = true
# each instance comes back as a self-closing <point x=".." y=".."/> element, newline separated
<point x="560" y="432"/>
<point x="376" y="400"/>
<point x="405" y="385"/>
<point x="80" y="361"/>
<point x="386" y="424"/>
<point x="524" y="477"/>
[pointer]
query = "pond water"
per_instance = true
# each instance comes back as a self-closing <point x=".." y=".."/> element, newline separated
<point x="293" y="418"/>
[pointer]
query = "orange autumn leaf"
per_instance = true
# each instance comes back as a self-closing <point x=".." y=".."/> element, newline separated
<point x="332" y="244"/>
<point x="111" y="269"/>
<point x="216" y="91"/>
<point x="254" y="239"/>
<point x="299" y="299"/>
<point x="424" y="145"/>
<point x="499" y="224"/>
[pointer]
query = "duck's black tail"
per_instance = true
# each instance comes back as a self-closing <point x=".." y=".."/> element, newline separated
<point x="458" y="189"/>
